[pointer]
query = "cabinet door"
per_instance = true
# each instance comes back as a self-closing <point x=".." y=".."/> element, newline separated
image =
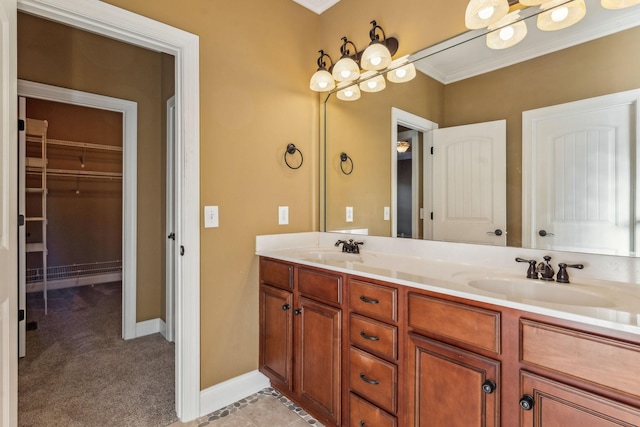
<point x="276" y="334"/>
<point x="555" y="404"/>
<point x="317" y="357"/>
<point x="451" y="387"/>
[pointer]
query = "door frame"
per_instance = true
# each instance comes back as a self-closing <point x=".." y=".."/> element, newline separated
<point x="129" y="110"/>
<point x="404" y="118"/>
<point x="170" y="246"/>
<point x="119" y="24"/>
<point x="530" y="121"/>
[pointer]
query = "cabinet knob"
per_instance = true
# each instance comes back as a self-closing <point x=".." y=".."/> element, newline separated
<point x="364" y="378"/>
<point x="362" y="424"/>
<point x="286" y="307"/>
<point x="297" y="311"/>
<point x="527" y="402"/>
<point x="489" y="386"/>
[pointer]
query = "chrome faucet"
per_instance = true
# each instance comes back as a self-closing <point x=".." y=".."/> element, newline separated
<point x="350" y="246"/>
<point x="545" y="269"/>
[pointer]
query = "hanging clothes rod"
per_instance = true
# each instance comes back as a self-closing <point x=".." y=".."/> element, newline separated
<point x="88" y="145"/>
<point x="76" y="173"/>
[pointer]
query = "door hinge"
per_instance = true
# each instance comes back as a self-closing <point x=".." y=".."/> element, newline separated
<point x="20" y="220"/>
<point x="172" y="236"/>
<point x="431" y="215"/>
<point x="21" y="125"/>
<point x="20" y="315"/>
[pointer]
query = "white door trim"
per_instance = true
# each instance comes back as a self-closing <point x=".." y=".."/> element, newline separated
<point x="530" y="120"/>
<point x="170" y="247"/>
<point x="401" y="117"/>
<point x="110" y="21"/>
<point x="129" y="110"/>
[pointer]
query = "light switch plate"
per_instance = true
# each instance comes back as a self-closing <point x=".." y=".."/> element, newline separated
<point x="211" y="219"/>
<point x="349" y="217"/>
<point x="387" y="213"/>
<point x="283" y="215"/>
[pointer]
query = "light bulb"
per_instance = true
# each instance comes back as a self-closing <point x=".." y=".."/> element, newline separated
<point x="507" y="33"/>
<point x="486" y="13"/>
<point x="323" y="85"/>
<point x="560" y="14"/>
<point x="376" y="60"/>
<point x="372" y="84"/>
<point x="401" y="72"/>
<point x="345" y="73"/>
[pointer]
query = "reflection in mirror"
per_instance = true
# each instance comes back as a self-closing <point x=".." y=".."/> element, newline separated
<point x="364" y="129"/>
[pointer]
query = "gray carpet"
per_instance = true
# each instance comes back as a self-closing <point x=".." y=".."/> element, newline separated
<point x="80" y="372"/>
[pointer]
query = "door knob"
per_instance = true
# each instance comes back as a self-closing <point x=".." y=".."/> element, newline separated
<point x="543" y="233"/>
<point x="497" y="232"/>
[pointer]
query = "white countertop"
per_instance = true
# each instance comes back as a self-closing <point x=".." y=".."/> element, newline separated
<point x="600" y="302"/>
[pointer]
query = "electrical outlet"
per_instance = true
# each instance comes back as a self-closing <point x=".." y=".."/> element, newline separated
<point x="387" y="213"/>
<point x="349" y="214"/>
<point x="211" y="219"/>
<point x="283" y="215"/>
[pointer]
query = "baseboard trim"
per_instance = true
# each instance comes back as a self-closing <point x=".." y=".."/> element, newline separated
<point x="152" y="326"/>
<point x="230" y="391"/>
<point x="73" y="282"/>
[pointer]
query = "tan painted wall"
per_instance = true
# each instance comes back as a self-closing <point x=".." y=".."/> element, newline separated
<point x="564" y="76"/>
<point x="256" y="59"/>
<point x="61" y="56"/>
<point x="93" y="217"/>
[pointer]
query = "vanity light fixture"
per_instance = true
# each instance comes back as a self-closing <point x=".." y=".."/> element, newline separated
<point x="559" y="14"/>
<point x="618" y="4"/>
<point x="372" y="84"/>
<point x="322" y="80"/>
<point x="401" y="73"/>
<point x="376" y="56"/>
<point x="349" y="93"/>
<point x="346" y="69"/>
<point x="507" y="32"/>
<point x="482" y="13"/>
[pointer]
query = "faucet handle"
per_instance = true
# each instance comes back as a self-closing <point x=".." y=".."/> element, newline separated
<point x="563" y="276"/>
<point x="531" y="271"/>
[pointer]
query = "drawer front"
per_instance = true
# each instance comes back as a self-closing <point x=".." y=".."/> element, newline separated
<point x="469" y="326"/>
<point x="321" y="285"/>
<point x="372" y="299"/>
<point x="373" y="378"/>
<point x="363" y="413"/>
<point x="276" y="273"/>
<point x="375" y="337"/>
<point x="599" y="360"/>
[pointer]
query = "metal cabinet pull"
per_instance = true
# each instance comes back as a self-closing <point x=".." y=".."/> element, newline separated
<point x="364" y="378"/>
<point x="369" y="337"/>
<point x="368" y="301"/>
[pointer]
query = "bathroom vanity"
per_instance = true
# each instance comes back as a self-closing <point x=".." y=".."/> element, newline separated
<point x="387" y="339"/>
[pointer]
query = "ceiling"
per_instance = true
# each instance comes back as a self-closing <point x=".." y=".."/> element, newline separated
<point x="317" y="6"/>
<point x="472" y="57"/>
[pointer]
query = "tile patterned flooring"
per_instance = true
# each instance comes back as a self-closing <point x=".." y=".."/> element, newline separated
<point x="267" y="408"/>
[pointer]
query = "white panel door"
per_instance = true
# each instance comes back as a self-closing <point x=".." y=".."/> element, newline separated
<point x="469" y="183"/>
<point x="583" y="180"/>
<point x="8" y="216"/>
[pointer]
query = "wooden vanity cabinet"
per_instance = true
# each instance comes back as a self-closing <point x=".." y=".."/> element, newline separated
<point x="301" y="336"/>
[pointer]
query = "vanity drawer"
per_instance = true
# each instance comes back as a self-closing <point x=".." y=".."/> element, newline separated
<point x="469" y="326"/>
<point x="276" y="273"/>
<point x="372" y="299"/>
<point x="603" y="361"/>
<point x="373" y="378"/>
<point x="320" y="285"/>
<point x="376" y="337"/>
<point x="363" y="413"/>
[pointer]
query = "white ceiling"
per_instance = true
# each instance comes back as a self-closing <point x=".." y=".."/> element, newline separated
<point x="472" y="57"/>
<point x="317" y="6"/>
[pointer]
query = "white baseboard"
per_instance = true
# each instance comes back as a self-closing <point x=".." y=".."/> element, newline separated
<point x="152" y="326"/>
<point x="230" y="391"/>
<point x="75" y="281"/>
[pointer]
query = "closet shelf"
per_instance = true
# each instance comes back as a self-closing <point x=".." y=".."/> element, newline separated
<point x="34" y="218"/>
<point x="88" y="145"/>
<point x="34" y="247"/>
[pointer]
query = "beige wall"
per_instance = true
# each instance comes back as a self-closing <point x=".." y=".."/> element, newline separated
<point x="61" y="56"/>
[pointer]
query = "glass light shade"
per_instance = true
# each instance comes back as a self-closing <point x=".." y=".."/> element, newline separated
<point x="532" y="2"/>
<point x="372" y="84"/>
<point x="618" y="4"/>
<point x="346" y="70"/>
<point x="482" y="13"/>
<point x="401" y="73"/>
<point x="322" y="81"/>
<point x="508" y="35"/>
<point x="375" y="57"/>
<point x="349" y="93"/>
<point x="562" y="16"/>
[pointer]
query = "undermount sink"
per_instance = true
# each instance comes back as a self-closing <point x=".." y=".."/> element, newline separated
<point x="550" y="292"/>
<point x="329" y="255"/>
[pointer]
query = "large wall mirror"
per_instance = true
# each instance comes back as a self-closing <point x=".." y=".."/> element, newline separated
<point x="517" y="172"/>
